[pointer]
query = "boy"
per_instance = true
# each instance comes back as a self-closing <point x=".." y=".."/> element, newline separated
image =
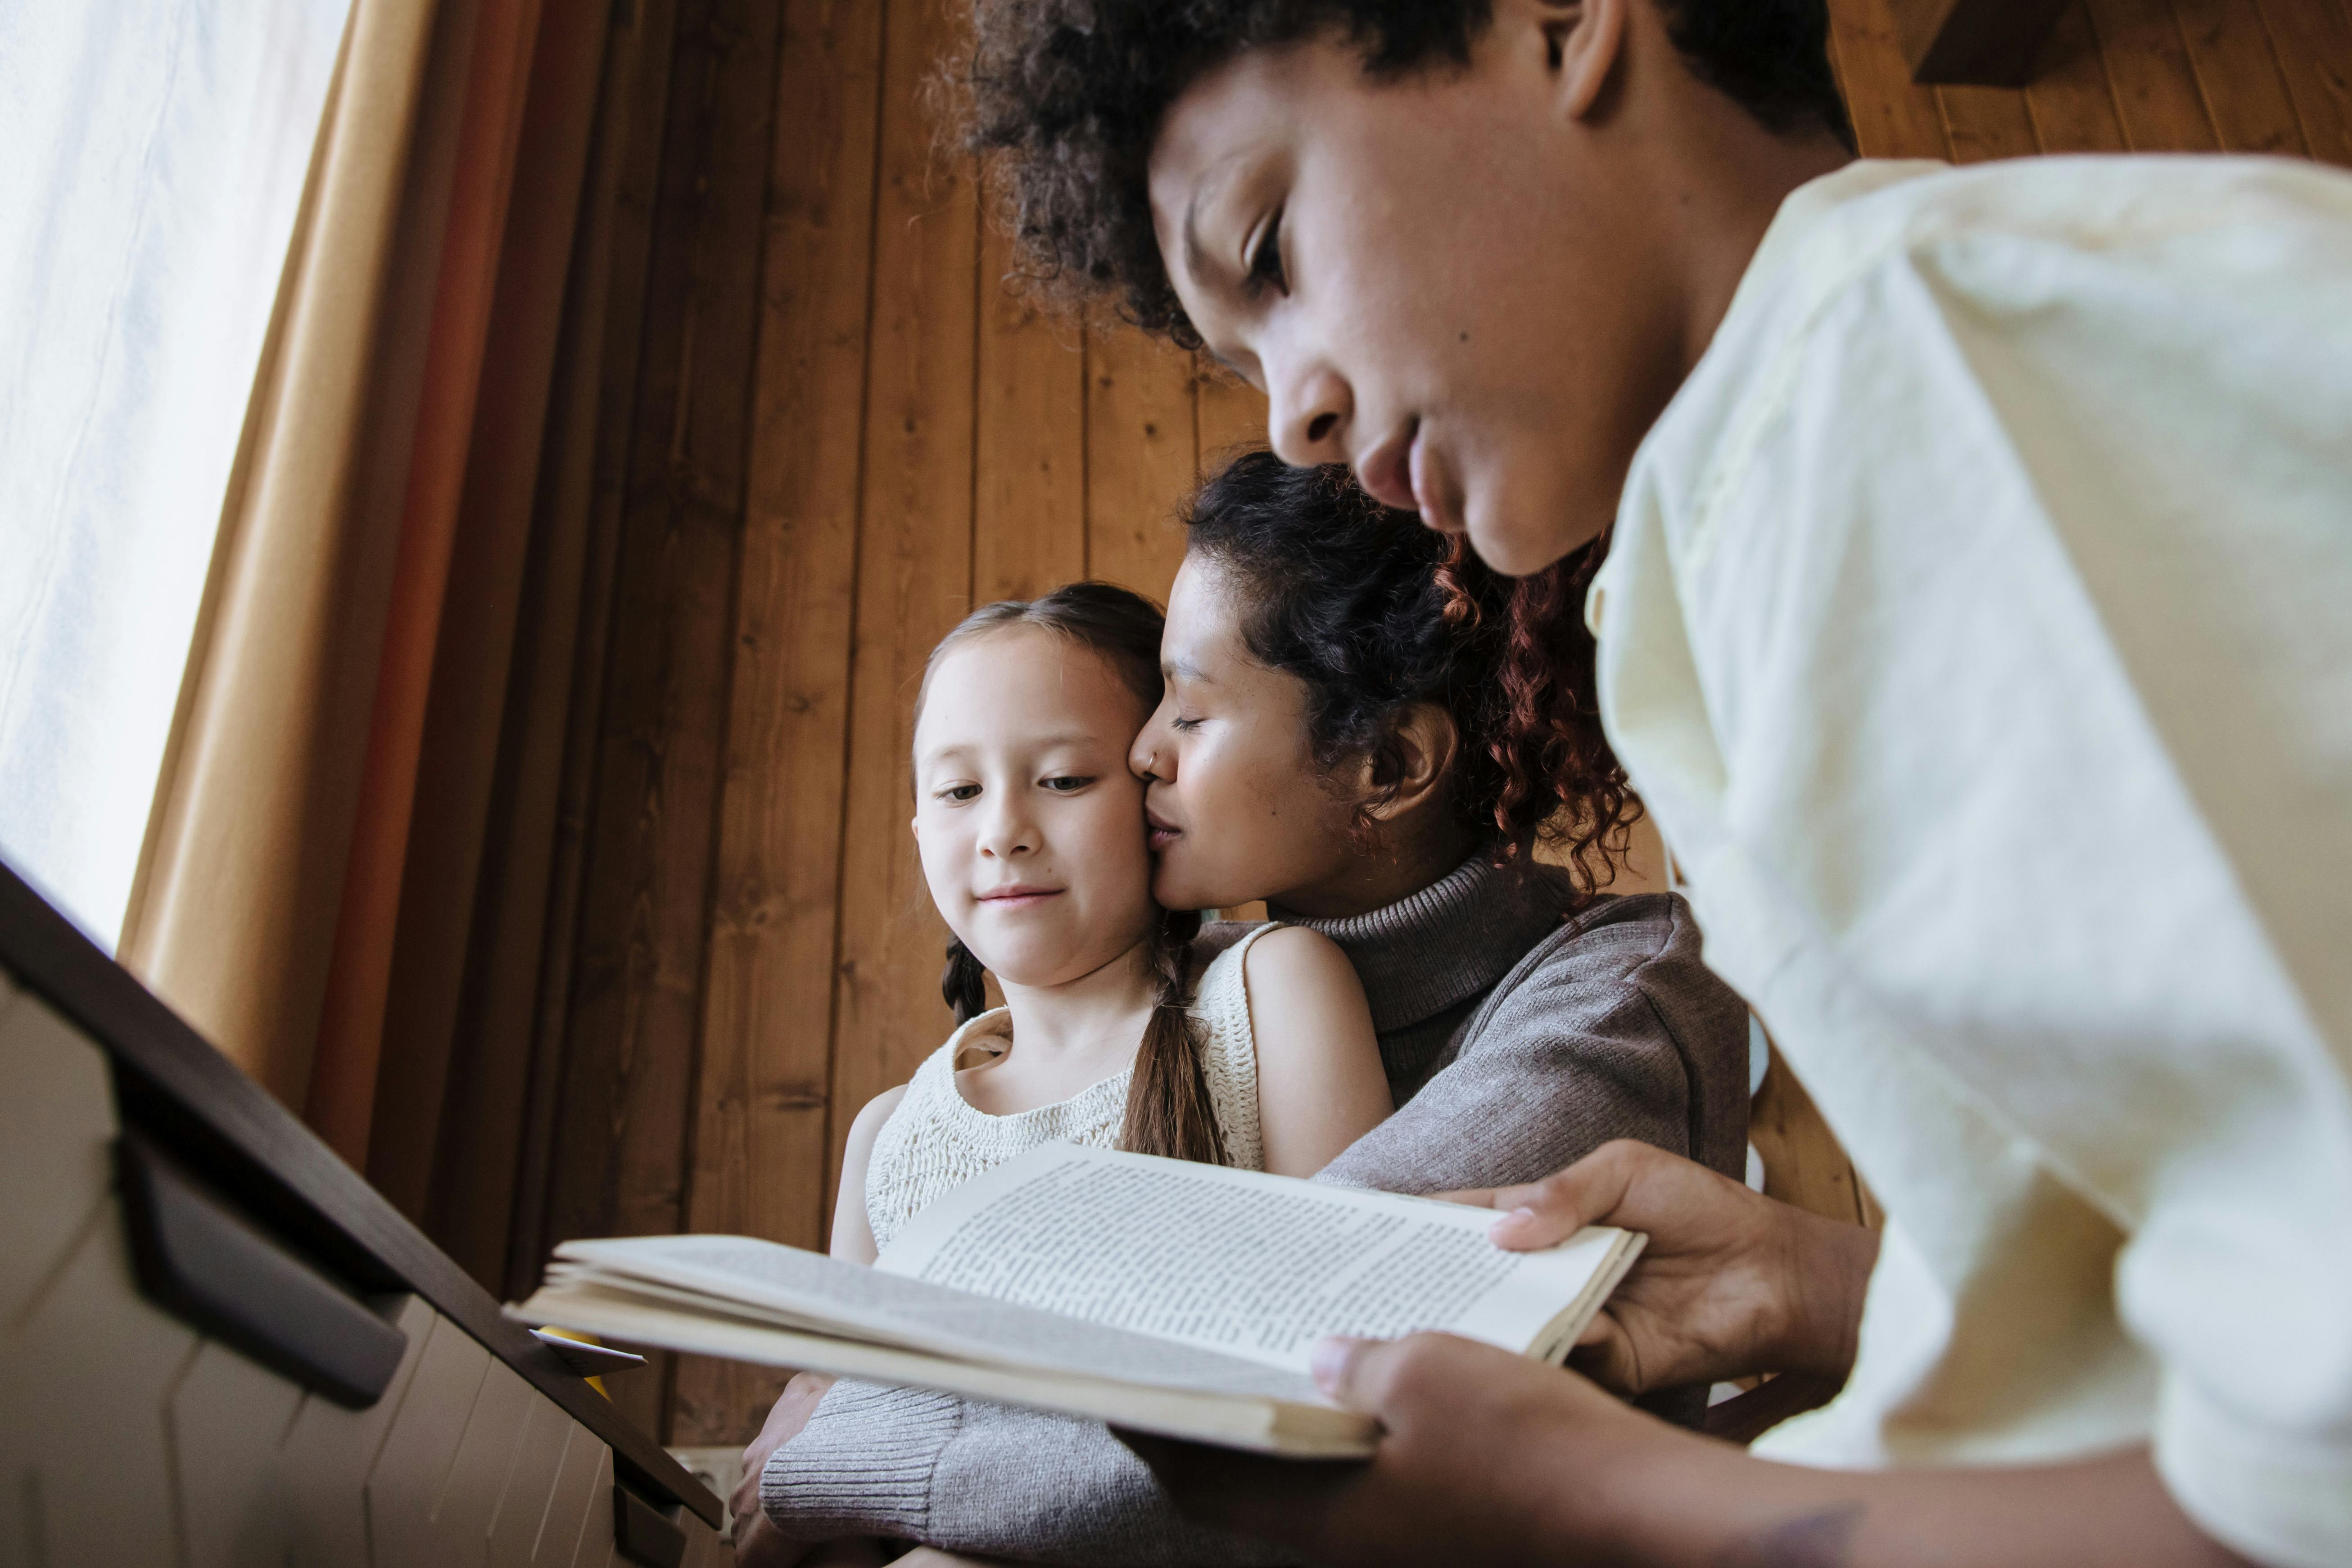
<point x="1973" y="624"/>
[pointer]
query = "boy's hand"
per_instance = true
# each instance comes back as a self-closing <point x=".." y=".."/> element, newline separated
<point x="1731" y="1282"/>
<point x="1488" y="1458"/>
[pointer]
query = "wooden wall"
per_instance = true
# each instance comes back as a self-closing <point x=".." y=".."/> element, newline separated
<point x="815" y="431"/>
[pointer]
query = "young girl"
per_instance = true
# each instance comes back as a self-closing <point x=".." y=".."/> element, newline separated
<point x="1031" y="833"/>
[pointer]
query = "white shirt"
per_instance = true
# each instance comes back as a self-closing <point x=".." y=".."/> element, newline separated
<point x="934" y="1140"/>
<point x="1979" y="628"/>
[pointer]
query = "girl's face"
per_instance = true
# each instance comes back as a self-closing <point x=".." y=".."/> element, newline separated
<point x="1030" y="825"/>
<point x="1238" y="807"/>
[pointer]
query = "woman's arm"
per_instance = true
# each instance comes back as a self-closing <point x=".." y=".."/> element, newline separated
<point x="1319" y="1082"/>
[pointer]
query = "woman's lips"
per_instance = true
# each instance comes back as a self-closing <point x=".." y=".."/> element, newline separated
<point x="1387" y="472"/>
<point x="1158" y="834"/>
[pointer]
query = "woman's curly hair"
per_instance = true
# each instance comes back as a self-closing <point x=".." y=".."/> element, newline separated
<point x="1374" y="614"/>
<point x="1064" y="98"/>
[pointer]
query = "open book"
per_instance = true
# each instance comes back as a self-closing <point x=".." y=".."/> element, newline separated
<point x="1173" y="1297"/>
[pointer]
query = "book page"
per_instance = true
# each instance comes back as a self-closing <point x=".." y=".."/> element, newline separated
<point x="763" y="1281"/>
<point x="1236" y="1261"/>
<point x="1244" y="1420"/>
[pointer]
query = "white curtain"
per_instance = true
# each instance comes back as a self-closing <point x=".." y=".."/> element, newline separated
<point x="156" y="152"/>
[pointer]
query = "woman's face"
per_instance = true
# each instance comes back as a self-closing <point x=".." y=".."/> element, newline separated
<point x="1029" y="823"/>
<point x="1237" y="806"/>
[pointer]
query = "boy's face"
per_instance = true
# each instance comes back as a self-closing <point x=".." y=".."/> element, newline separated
<point x="1437" y="280"/>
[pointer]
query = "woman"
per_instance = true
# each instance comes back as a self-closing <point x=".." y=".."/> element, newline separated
<point x="1341" y="737"/>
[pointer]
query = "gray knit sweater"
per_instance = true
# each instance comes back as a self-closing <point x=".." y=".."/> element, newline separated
<point x="1515" y="1040"/>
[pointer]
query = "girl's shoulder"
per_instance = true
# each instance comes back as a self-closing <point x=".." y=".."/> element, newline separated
<point x="1264" y="953"/>
<point x="1285" y="967"/>
<point x="1271" y="952"/>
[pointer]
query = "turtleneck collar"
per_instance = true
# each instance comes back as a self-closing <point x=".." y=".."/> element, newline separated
<point x="1447" y="942"/>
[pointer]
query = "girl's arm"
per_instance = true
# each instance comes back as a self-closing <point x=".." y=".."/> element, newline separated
<point x="1319" y="1082"/>
<point x="853" y="1238"/>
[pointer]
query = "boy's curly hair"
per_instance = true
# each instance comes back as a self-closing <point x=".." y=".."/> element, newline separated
<point x="1065" y="98"/>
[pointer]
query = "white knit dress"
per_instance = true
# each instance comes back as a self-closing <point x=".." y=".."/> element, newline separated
<point x="935" y="1141"/>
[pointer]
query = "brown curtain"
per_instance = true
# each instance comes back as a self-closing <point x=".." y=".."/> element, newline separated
<point x="330" y="774"/>
<point x="231" y="918"/>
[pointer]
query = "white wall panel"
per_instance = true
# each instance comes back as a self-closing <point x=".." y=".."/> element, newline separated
<point x="56" y="1127"/>
<point x="329" y="1452"/>
<point x="83" y="1384"/>
<point x="404" y="1490"/>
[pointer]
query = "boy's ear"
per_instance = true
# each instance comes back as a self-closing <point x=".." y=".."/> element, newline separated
<point x="1581" y="40"/>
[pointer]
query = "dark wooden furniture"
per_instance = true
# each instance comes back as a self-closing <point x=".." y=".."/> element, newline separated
<point x="218" y="1345"/>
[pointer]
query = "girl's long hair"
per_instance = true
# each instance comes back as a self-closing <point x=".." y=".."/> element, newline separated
<point x="1168" y="1110"/>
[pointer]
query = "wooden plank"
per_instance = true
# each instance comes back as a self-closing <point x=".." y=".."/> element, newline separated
<point x="2229" y="49"/>
<point x="1986" y="43"/>
<point x="2314" y="40"/>
<point x="1644" y="868"/>
<point x="760" y="1144"/>
<point x="1893" y="117"/>
<point x="330" y="1451"/>
<point x="914" y="572"/>
<point x="1804" y="1164"/>
<point x="1142" y="452"/>
<point x="2156" y="92"/>
<point x="1029" y="488"/>
<point x="2073" y="105"/>
<point x="57" y="1133"/>
<point x="1232" y="418"/>
<point x="1986" y="122"/>
<point x="83" y="1383"/>
<point x="636" y="1017"/>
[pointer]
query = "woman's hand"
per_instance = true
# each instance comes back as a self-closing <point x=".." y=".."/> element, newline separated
<point x="758" y="1543"/>
<point x="1731" y="1282"/>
